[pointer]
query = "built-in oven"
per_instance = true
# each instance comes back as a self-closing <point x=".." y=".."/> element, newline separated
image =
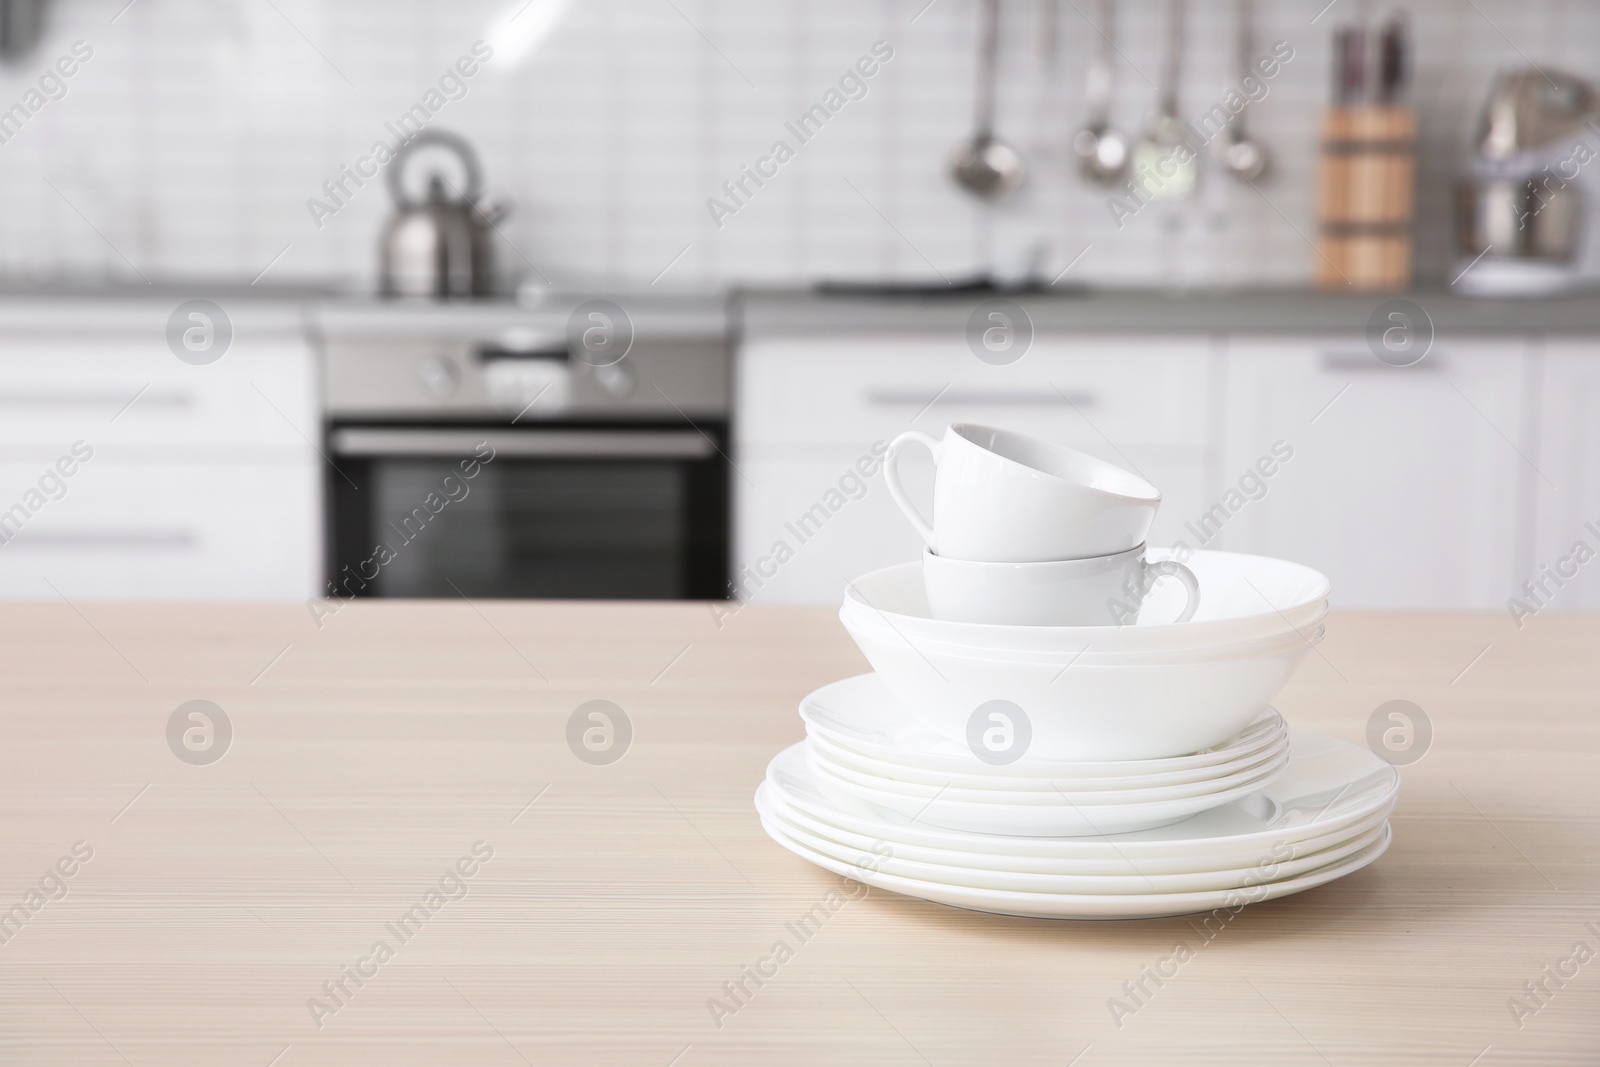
<point x="577" y="450"/>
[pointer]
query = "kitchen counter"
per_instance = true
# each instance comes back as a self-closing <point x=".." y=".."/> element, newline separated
<point x="399" y="742"/>
<point x="805" y="312"/>
<point x="1111" y="311"/>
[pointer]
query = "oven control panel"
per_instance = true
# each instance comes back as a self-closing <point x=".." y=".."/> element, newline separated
<point x="581" y="358"/>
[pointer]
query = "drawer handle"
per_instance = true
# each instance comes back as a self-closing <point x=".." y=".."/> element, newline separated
<point x="92" y="398"/>
<point x="90" y="538"/>
<point x="893" y="396"/>
<point x="1361" y="362"/>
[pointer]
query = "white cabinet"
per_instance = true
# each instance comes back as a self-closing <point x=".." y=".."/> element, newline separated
<point x="1564" y="576"/>
<point x="130" y="390"/>
<point x="811" y="408"/>
<point x="126" y="473"/>
<point x="233" y="529"/>
<point x="1412" y="488"/>
<point x="1407" y="486"/>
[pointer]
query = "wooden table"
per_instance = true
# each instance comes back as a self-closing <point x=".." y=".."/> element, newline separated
<point x="372" y="754"/>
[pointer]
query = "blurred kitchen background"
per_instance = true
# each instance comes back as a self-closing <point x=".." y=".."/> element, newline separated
<point x="763" y="353"/>
<point x="195" y="135"/>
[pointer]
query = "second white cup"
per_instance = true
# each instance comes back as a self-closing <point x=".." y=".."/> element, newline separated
<point x="1101" y="591"/>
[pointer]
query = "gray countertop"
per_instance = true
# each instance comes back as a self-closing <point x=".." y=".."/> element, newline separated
<point x="1261" y="312"/>
<point x="793" y="311"/>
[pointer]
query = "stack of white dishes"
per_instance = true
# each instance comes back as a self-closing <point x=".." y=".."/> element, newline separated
<point x="1144" y="690"/>
<point x="926" y="779"/>
<point x="1324" y="817"/>
<point x="1052" y="730"/>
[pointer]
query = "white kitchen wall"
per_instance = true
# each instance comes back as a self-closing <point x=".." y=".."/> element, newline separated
<point x="189" y="144"/>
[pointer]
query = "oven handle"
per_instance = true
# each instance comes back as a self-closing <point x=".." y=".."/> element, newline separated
<point x="564" y="444"/>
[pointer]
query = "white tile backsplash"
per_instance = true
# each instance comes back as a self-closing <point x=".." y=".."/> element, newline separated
<point x="191" y="141"/>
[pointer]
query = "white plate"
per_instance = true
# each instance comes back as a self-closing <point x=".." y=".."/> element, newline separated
<point x="1288" y="861"/>
<point x="1007" y="789"/>
<point x="1084" y="905"/>
<point x="980" y="775"/>
<point x="1259" y="774"/>
<point x="1328" y="784"/>
<point x="771" y="805"/>
<point x="861" y="714"/>
<point x="1035" y="818"/>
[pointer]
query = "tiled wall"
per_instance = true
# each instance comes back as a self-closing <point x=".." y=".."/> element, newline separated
<point x="191" y="140"/>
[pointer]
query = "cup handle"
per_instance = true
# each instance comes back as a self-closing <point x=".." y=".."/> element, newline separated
<point x="1168" y="568"/>
<point x="891" y="475"/>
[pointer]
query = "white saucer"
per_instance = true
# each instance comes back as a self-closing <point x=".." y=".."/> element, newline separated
<point x="1012" y="789"/>
<point x="1329" y="785"/>
<point x="861" y="715"/>
<point x="1038" y="815"/>
<point x="1082" y="905"/>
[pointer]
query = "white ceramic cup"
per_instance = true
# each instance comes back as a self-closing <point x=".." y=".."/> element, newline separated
<point x="1004" y="497"/>
<point x="1101" y="591"/>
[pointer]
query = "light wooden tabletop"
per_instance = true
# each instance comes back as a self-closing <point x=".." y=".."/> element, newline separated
<point x="412" y="760"/>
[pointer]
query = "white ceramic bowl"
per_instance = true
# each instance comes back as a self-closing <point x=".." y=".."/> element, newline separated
<point x="1084" y="710"/>
<point x="1243" y="598"/>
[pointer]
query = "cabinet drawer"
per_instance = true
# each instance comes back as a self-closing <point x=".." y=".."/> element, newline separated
<point x="130" y="389"/>
<point x="802" y="391"/>
<point x="199" y="531"/>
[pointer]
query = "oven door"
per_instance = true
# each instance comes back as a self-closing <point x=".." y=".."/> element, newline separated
<point x="568" y="512"/>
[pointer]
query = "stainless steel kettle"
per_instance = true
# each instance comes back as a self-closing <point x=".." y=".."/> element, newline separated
<point x="22" y="23"/>
<point x="438" y="247"/>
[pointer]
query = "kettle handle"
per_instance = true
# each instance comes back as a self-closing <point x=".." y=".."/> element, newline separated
<point x="456" y="144"/>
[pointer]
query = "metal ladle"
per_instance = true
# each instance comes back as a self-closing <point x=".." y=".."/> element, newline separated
<point x="1102" y="150"/>
<point x="1242" y="157"/>
<point x="986" y="167"/>
<point x="1165" y="162"/>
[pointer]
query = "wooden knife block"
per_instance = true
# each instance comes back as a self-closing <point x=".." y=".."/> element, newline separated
<point x="1366" y="198"/>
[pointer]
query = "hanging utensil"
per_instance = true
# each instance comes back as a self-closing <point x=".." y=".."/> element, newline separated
<point x="1049" y="32"/>
<point x="1165" y="164"/>
<point x="986" y="167"/>
<point x="1242" y="157"/>
<point x="1102" y="150"/>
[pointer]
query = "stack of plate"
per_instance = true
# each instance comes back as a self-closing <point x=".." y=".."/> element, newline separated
<point x="1113" y="811"/>
<point x="1323" y="815"/>
<point x="924" y="777"/>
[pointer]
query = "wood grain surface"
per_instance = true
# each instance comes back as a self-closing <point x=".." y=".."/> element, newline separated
<point x="371" y="756"/>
